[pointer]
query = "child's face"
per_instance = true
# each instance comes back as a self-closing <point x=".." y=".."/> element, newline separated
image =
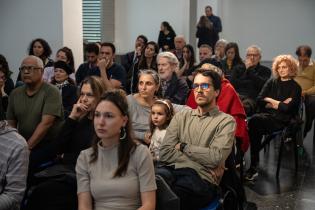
<point x="158" y="115"/>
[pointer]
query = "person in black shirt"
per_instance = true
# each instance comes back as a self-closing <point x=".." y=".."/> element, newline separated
<point x="279" y="102"/>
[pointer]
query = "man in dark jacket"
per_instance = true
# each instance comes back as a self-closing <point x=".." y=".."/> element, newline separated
<point x="173" y="88"/>
<point x="249" y="82"/>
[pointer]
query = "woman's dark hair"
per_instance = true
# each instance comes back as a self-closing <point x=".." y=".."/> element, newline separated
<point x="169" y="111"/>
<point x="143" y="61"/>
<point x="69" y="55"/>
<point x="47" y="50"/>
<point x="204" y="22"/>
<point x="168" y="27"/>
<point x="5" y="66"/>
<point x="237" y="59"/>
<point x="127" y="145"/>
<point x="192" y="56"/>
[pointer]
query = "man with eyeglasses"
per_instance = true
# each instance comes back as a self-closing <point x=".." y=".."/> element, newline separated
<point x="196" y="145"/>
<point x="35" y="109"/>
<point x="249" y="81"/>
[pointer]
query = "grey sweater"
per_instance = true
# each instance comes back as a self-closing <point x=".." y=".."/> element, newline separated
<point x="14" y="156"/>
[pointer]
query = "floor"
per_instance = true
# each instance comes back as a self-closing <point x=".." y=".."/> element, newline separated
<point x="292" y="190"/>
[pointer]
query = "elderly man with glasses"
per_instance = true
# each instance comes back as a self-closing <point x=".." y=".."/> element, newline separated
<point x="35" y="109"/>
<point x="249" y="81"/>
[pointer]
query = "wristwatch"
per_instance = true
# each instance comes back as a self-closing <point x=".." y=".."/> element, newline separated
<point x="182" y="146"/>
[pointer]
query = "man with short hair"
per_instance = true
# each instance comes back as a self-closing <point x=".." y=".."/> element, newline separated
<point x="306" y="79"/>
<point x="173" y="88"/>
<point x="113" y="74"/>
<point x="88" y="68"/>
<point x="180" y="43"/>
<point x="249" y="81"/>
<point x="35" y="109"/>
<point x="196" y="145"/>
<point x="14" y="164"/>
<point x="216" y="22"/>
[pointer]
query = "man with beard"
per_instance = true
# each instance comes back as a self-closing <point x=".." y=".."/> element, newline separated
<point x="196" y="145"/>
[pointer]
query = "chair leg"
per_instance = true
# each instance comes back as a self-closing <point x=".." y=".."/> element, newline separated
<point x="296" y="154"/>
<point x="280" y="155"/>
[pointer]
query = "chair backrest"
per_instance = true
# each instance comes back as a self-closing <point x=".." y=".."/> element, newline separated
<point x="166" y="199"/>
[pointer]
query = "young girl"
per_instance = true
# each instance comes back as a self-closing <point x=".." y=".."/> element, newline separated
<point x="161" y="114"/>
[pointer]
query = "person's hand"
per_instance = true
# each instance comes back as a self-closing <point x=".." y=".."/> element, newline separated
<point x="274" y="104"/>
<point x="248" y="63"/>
<point x="79" y="109"/>
<point x="104" y="64"/>
<point x="288" y="100"/>
<point x="2" y="92"/>
<point x="138" y="51"/>
<point x="217" y="172"/>
<point x="147" y="137"/>
<point x="177" y="146"/>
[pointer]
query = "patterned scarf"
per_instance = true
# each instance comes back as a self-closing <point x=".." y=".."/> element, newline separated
<point x="61" y="85"/>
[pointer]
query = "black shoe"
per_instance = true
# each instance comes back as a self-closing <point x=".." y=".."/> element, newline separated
<point x="251" y="173"/>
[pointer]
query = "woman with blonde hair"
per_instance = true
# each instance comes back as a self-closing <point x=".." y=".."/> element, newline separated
<point x="278" y="103"/>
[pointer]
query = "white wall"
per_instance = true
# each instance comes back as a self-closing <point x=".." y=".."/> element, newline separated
<point x="144" y="17"/>
<point x="22" y="21"/>
<point x="73" y="29"/>
<point x="278" y="26"/>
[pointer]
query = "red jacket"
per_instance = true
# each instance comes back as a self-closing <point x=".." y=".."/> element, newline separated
<point x="229" y="102"/>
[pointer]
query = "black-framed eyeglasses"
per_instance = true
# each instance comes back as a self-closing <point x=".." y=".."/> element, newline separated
<point x="202" y="86"/>
<point x="28" y="68"/>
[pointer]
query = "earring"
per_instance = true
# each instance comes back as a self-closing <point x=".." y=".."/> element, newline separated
<point x="123" y="134"/>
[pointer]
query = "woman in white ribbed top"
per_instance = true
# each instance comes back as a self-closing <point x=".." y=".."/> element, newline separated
<point x="116" y="173"/>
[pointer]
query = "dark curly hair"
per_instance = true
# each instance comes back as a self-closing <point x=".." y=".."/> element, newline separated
<point x="47" y="50"/>
<point x="4" y="66"/>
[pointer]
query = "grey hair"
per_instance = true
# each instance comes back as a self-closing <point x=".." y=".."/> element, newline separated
<point x="151" y="72"/>
<point x="254" y="47"/>
<point x="221" y="41"/>
<point x="180" y="37"/>
<point x="39" y="61"/>
<point x="170" y="57"/>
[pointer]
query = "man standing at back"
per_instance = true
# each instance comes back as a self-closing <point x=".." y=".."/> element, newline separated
<point x="216" y="23"/>
<point x="35" y="109"/>
<point x="196" y="145"/>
